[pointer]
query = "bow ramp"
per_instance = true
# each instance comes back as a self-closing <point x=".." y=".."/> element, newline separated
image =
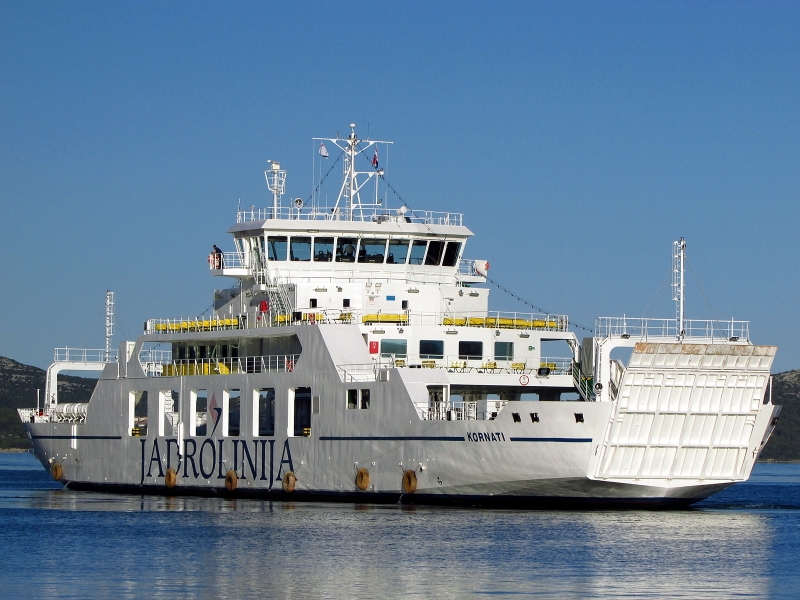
<point x="687" y="414"/>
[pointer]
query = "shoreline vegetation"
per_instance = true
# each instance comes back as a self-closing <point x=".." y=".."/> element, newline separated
<point x="18" y="384"/>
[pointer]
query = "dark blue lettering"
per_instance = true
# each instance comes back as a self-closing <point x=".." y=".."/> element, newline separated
<point x="480" y="436"/>
<point x="246" y="453"/>
<point x="494" y="439"/>
<point x="504" y="436"/>
<point x="189" y="456"/>
<point x="155" y="457"/>
<point x="469" y="436"/>
<point x="286" y="458"/>
<point x="213" y="459"/>
<point x="142" y="479"/>
<point x="171" y="441"/>
<point x="220" y="474"/>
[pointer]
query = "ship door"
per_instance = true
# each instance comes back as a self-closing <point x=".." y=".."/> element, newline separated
<point x="302" y="412"/>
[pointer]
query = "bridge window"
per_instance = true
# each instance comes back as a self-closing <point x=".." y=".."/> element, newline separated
<point x="300" y="248"/>
<point x="434" y="255"/>
<point x="199" y="414"/>
<point x="346" y="249"/>
<point x="431" y="349"/>
<point x="397" y="347"/>
<point x="323" y="249"/>
<point x="233" y="413"/>
<point x="417" y="252"/>
<point x="451" y="254"/>
<point x="470" y="350"/>
<point x="276" y="247"/>
<point x="372" y="251"/>
<point x="503" y="350"/>
<point x="264" y="408"/>
<point x="398" y="250"/>
<point x="137" y="420"/>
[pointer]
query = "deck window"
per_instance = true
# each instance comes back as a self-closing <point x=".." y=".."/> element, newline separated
<point x="168" y="412"/>
<point x="346" y="249"/>
<point x="300" y="249"/>
<point x="372" y="251"/>
<point x="352" y="399"/>
<point x="137" y="421"/>
<point x="232" y="413"/>
<point x="470" y="350"/>
<point x="398" y="250"/>
<point x="431" y="349"/>
<point x="451" y="254"/>
<point x="434" y="255"/>
<point x="323" y="249"/>
<point x="198" y="424"/>
<point x="302" y="412"/>
<point x="417" y="252"/>
<point x="503" y="350"/>
<point x="264" y="408"/>
<point x="276" y="247"/>
<point x="398" y="348"/>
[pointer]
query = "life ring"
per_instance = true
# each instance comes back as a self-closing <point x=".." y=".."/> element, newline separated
<point x="312" y="318"/>
<point x="231" y="480"/>
<point x="56" y="471"/>
<point x="289" y="365"/>
<point x="171" y="478"/>
<point x="362" y="479"/>
<point x="409" y="481"/>
<point x="288" y="481"/>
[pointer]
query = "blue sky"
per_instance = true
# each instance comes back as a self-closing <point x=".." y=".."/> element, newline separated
<point x="579" y="138"/>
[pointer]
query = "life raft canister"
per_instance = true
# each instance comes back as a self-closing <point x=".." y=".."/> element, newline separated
<point x="56" y="471"/>
<point x="288" y="481"/>
<point x="362" y="479"/>
<point x="409" y="481"/>
<point x="231" y="480"/>
<point x="171" y="478"/>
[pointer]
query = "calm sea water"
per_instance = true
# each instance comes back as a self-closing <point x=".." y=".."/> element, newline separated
<point x="743" y="542"/>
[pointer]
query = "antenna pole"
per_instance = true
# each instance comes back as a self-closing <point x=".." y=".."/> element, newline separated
<point x="109" y="321"/>
<point x="678" y="288"/>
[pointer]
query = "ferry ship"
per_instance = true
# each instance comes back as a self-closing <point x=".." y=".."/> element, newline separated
<point x="354" y="358"/>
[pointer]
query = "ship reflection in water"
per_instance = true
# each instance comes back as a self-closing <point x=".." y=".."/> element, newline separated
<point x="61" y="543"/>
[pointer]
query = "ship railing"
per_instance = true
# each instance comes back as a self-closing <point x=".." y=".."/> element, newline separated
<point x="661" y="330"/>
<point x="545" y="366"/>
<point x="275" y="363"/>
<point x="369" y="214"/>
<point x="69" y="412"/>
<point x="225" y="260"/>
<point x="194" y="324"/>
<point x="85" y="355"/>
<point x="315" y="316"/>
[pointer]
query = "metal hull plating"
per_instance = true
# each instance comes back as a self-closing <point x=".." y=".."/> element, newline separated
<point x="515" y="459"/>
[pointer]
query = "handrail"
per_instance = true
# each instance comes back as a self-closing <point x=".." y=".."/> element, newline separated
<point x="255" y="319"/>
<point x="645" y="329"/>
<point x="85" y="355"/>
<point x="364" y="214"/>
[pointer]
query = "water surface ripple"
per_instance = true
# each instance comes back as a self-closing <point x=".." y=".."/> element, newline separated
<point x="742" y="543"/>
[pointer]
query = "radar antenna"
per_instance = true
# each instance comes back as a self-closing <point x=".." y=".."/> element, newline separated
<point x="276" y="182"/>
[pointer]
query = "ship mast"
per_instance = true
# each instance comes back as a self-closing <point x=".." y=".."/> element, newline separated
<point x="678" y="290"/>
<point x="109" y="321"/>
<point x="353" y="180"/>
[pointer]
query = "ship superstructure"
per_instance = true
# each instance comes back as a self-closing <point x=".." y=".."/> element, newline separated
<point x="355" y="357"/>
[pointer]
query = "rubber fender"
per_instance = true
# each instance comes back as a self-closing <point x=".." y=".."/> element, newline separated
<point x="56" y="471"/>
<point x="409" y="482"/>
<point x="288" y="481"/>
<point x="362" y="479"/>
<point x="231" y="480"/>
<point x="171" y="478"/>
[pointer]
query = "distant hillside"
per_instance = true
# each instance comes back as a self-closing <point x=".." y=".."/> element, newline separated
<point x="785" y="442"/>
<point x="18" y="384"/>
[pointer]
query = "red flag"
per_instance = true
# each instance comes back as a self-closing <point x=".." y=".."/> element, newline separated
<point x="375" y="158"/>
